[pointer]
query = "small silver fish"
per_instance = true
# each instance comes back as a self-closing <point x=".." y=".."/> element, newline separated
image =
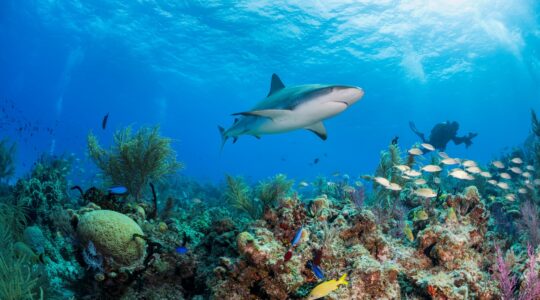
<point x="425" y="192"/>
<point x="382" y="181"/>
<point x="469" y="163"/>
<point x="503" y="185"/>
<point x="443" y="155"/>
<point x="516" y="170"/>
<point x="510" y="197"/>
<point x="431" y="168"/>
<point x="450" y="161"/>
<point x="505" y="175"/>
<point x="460" y="174"/>
<point x="420" y="181"/>
<point x="403" y="168"/>
<point x="412" y="173"/>
<point x="474" y="170"/>
<point x="485" y="174"/>
<point x="498" y="164"/>
<point x="394" y="187"/>
<point x="517" y="160"/>
<point x="428" y="146"/>
<point x="415" y="151"/>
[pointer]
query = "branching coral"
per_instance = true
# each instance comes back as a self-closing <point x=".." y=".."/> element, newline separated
<point x="508" y="283"/>
<point x="238" y="196"/>
<point x="13" y="219"/>
<point x="16" y="279"/>
<point x="44" y="189"/>
<point x="529" y="214"/>
<point x="387" y="169"/>
<point x="271" y="190"/>
<point x="7" y="160"/>
<point x="135" y="159"/>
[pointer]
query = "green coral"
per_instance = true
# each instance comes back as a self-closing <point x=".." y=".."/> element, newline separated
<point x="387" y="169"/>
<point x="17" y="280"/>
<point x="7" y="160"/>
<point x="238" y="195"/>
<point x="13" y="220"/>
<point x="45" y="188"/>
<point x="135" y="159"/>
<point x="266" y="194"/>
<point x="271" y="190"/>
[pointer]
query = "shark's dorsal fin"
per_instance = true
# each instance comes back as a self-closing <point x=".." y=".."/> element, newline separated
<point x="275" y="84"/>
<point x="318" y="129"/>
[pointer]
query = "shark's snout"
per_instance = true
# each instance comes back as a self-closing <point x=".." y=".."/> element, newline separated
<point x="349" y="94"/>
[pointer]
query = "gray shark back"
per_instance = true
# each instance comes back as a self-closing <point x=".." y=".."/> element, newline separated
<point x="290" y="97"/>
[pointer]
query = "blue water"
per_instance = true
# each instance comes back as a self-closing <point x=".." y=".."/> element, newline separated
<point x="187" y="65"/>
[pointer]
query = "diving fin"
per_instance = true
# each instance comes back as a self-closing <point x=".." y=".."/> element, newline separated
<point x="417" y="132"/>
<point x="318" y="129"/>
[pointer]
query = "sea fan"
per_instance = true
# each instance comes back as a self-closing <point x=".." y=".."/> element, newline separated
<point x="532" y="282"/>
<point x="135" y="159"/>
<point x="507" y="282"/>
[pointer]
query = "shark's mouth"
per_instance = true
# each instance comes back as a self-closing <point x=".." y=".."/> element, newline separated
<point x="344" y="102"/>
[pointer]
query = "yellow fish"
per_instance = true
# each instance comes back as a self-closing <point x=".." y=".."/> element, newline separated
<point x="421" y="215"/>
<point x="451" y="216"/>
<point x="326" y="288"/>
<point x="408" y="233"/>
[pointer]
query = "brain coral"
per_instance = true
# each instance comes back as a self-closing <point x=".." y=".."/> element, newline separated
<point x="112" y="234"/>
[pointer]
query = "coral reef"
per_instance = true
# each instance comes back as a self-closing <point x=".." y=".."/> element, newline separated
<point x="409" y="231"/>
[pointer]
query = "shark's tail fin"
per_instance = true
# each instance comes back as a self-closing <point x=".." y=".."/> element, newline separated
<point x="223" y="136"/>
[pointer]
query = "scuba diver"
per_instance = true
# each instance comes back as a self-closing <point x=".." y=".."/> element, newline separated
<point x="443" y="133"/>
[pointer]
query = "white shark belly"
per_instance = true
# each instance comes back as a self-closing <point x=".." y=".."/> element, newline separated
<point x="301" y="117"/>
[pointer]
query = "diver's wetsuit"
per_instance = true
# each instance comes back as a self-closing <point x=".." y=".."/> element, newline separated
<point x="443" y="133"/>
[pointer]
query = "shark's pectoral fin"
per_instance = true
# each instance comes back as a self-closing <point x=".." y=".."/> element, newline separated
<point x="318" y="129"/>
<point x="267" y="113"/>
<point x="234" y="140"/>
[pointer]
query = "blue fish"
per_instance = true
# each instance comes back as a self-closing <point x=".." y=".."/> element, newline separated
<point x="316" y="270"/>
<point x="117" y="190"/>
<point x="297" y="237"/>
<point x="181" y="250"/>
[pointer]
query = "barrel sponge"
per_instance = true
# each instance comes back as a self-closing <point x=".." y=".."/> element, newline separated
<point x="112" y="234"/>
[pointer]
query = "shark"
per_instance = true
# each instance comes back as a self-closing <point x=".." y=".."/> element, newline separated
<point x="291" y="108"/>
